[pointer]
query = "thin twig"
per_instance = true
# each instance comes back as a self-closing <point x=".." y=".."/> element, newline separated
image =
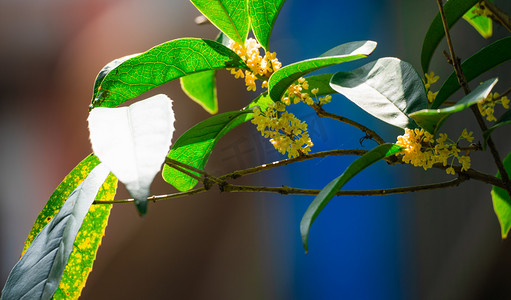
<point x="155" y="198"/>
<point x="463" y="83"/>
<point x="500" y="16"/>
<point x="503" y="94"/>
<point x="225" y="187"/>
<point x="285" y="190"/>
<point x="322" y="113"/>
<point x="180" y="166"/>
<point x="184" y="171"/>
<point x="239" y="173"/>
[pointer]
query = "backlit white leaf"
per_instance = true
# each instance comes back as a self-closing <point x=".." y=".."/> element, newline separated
<point x="133" y="142"/>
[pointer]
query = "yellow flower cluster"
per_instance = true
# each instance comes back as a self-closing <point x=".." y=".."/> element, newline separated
<point x="487" y="105"/>
<point x="297" y="92"/>
<point x="422" y="150"/>
<point x="286" y="132"/>
<point x="429" y="80"/>
<point x="259" y="66"/>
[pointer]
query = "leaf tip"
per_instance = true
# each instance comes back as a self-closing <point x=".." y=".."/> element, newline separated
<point x="304" y="230"/>
<point x="141" y="206"/>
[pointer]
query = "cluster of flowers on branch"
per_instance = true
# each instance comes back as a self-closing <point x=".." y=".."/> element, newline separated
<point x="487" y="106"/>
<point x="421" y="149"/>
<point x="259" y="65"/>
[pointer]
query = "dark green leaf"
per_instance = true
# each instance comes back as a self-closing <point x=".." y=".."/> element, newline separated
<point x="329" y="191"/>
<point x="432" y="119"/>
<point x="230" y="16"/>
<point x="201" y="88"/>
<point x="263" y="14"/>
<point x="388" y="88"/>
<point x="37" y="274"/>
<point x="502" y="202"/>
<point x="284" y="77"/>
<point x="484" y="60"/>
<point x="505" y="119"/>
<point x="195" y="145"/>
<point x="454" y="10"/>
<point x="482" y="24"/>
<point x="161" y="64"/>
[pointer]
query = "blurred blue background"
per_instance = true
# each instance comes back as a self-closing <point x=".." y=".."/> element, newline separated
<point x="431" y="245"/>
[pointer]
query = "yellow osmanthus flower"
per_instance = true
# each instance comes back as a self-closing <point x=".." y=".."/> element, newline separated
<point x="430" y="79"/>
<point x="286" y="132"/>
<point x="259" y="65"/>
<point x="422" y="150"/>
<point x="487" y="105"/>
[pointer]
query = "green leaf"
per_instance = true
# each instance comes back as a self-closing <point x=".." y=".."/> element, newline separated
<point x="454" y="10"/>
<point x="505" y="119"/>
<point x="432" y="119"/>
<point x="89" y="237"/>
<point x="230" y="16"/>
<point x="107" y="69"/>
<point x="86" y="244"/>
<point x="486" y="59"/>
<point x="37" y="274"/>
<point x="388" y="88"/>
<point x="502" y="202"/>
<point x="201" y="88"/>
<point x="59" y="196"/>
<point x="133" y="142"/>
<point x="482" y="24"/>
<point x="322" y="83"/>
<point x="284" y="77"/>
<point x="263" y="102"/>
<point x="195" y="145"/>
<point x="161" y="64"/>
<point x="329" y="191"/>
<point x="263" y="14"/>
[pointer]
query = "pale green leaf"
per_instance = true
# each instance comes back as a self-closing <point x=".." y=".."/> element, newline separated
<point x="284" y="77"/>
<point x="388" y="88"/>
<point x="432" y="119"/>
